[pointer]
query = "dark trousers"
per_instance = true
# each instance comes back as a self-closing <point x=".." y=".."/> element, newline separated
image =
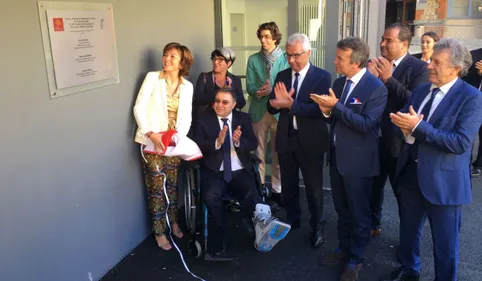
<point x="351" y="197"/>
<point x="478" y="161"/>
<point x="388" y="165"/>
<point x="214" y="189"/>
<point x="445" y="224"/>
<point x="311" y="165"/>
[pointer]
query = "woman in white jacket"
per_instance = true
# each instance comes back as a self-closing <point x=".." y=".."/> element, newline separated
<point x="164" y="103"/>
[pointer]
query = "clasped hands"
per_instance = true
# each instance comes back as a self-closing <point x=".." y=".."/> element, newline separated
<point x="156" y="139"/>
<point x="380" y="67"/>
<point x="478" y="66"/>
<point x="283" y="98"/>
<point x="406" y="121"/>
<point x="325" y="102"/>
<point x="222" y="136"/>
<point x="264" y="90"/>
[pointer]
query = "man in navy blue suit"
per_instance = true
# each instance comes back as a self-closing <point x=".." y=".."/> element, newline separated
<point x="354" y="107"/>
<point x="401" y="73"/>
<point x="439" y="124"/>
<point x="302" y="135"/>
<point x="226" y="138"/>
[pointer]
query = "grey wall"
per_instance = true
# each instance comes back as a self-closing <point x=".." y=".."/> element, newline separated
<point x="332" y="33"/>
<point x="71" y="193"/>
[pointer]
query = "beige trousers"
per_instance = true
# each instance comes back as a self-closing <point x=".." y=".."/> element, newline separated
<point x="268" y="124"/>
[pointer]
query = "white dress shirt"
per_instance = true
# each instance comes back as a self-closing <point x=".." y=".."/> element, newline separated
<point x="301" y="77"/>
<point x="354" y="81"/>
<point x="443" y="90"/>
<point x="235" y="162"/>
<point x="397" y="62"/>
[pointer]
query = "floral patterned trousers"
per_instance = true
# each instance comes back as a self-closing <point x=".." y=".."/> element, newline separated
<point x="155" y="169"/>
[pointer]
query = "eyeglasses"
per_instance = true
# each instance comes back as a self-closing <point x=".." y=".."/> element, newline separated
<point x="295" y="56"/>
<point x="224" y="102"/>
<point x="218" y="59"/>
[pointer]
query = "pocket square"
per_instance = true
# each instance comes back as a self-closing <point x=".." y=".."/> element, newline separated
<point x="355" y="101"/>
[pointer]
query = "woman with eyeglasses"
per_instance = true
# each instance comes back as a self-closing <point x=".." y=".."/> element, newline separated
<point x="209" y="82"/>
<point x="427" y="42"/>
<point x="164" y="103"/>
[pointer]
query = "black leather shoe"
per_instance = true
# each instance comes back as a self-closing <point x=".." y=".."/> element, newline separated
<point x="219" y="246"/>
<point x="317" y="238"/>
<point x="398" y="275"/>
<point x="222" y="255"/>
<point x="475" y="172"/>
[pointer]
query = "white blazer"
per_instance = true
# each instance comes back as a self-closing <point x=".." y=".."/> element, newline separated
<point x="150" y="110"/>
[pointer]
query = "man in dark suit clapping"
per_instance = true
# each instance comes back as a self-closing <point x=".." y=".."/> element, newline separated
<point x="302" y="135"/>
<point x="354" y="107"/>
<point x="226" y="138"/>
<point x="401" y="73"/>
<point x="439" y="125"/>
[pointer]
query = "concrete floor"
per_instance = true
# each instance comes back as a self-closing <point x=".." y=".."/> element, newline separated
<point x="294" y="259"/>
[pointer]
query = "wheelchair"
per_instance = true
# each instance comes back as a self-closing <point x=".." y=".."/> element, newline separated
<point x="196" y="213"/>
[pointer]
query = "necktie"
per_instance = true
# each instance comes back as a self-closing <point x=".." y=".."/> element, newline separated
<point x="394" y="66"/>
<point x="226" y="147"/>
<point x="428" y="105"/>
<point x="346" y="91"/>
<point x="295" y="85"/>
<point x="413" y="149"/>
<point x="291" y="127"/>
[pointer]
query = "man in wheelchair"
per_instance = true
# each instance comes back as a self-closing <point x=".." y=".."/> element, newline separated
<point x="226" y="138"/>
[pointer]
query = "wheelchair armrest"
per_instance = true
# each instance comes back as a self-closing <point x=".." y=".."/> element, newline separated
<point x="255" y="159"/>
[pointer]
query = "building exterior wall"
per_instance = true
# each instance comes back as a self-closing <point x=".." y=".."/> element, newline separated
<point x="433" y="15"/>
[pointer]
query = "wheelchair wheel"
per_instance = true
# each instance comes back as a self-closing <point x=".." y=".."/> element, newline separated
<point x="194" y="248"/>
<point x="190" y="201"/>
<point x="263" y="189"/>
